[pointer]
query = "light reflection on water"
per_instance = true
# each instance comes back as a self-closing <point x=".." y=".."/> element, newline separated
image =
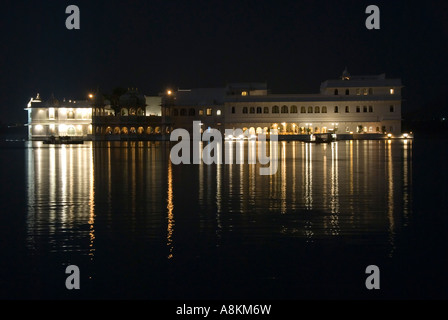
<point x="127" y="196"/>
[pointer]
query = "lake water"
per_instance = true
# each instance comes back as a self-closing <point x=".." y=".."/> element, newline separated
<point x="139" y="227"/>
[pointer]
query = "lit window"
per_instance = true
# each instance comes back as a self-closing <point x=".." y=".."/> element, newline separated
<point x="201" y="112"/>
<point x="218" y="112"/>
<point x="244" y="93"/>
<point x="209" y="111"/>
<point x="51" y="113"/>
<point x="392" y="91"/>
<point x="364" y="91"/>
<point x="357" y="91"/>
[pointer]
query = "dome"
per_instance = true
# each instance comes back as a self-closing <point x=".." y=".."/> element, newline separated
<point x="132" y="98"/>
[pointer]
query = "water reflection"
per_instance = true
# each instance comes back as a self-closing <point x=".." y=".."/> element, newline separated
<point x="129" y="195"/>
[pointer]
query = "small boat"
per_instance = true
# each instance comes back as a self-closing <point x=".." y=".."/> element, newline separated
<point x="62" y="140"/>
<point x="323" y="138"/>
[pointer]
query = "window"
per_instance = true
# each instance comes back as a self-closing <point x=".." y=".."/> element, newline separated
<point x="191" y="112"/>
<point x="218" y="112"/>
<point x="302" y="110"/>
<point x="258" y="109"/>
<point x="244" y="93"/>
<point x="183" y="112"/>
<point x="364" y="91"/>
<point x="244" y="109"/>
<point x="370" y="109"/>
<point x="252" y="109"/>
<point x="201" y="112"/>
<point x="233" y="109"/>
<point x="293" y="109"/>
<point x="275" y="109"/>
<point x="175" y="112"/>
<point x="266" y="110"/>
<point x="51" y="113"/>
<point x="70" y="115"/>
<point x="391" y="109"/>
<point x="316" y="110"/>
<point x="347" y="129"/>
<point x="378" y="129"/>
<point x="310" y="109"/>
<point x="347" y="92"/>
<point x="357" y="91"/>
<point x="364" y="109"/>
<point x="284" y="109"/>
<point x="370" y="129"/>
<point x="336" y="92"/>
<point x="347" y="109"/>
<point x="336" y="109"/>
<point x="358" y="109"/>
<point x="209" y="111"/>
<point x="324" y="109"/>
<point x="392" y="91"/>
<point x="370" y="91"/>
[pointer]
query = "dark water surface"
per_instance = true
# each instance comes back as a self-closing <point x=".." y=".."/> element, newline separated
<point x="139" y="227"/>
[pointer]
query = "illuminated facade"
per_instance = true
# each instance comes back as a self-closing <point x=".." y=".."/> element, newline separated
<point x="348" y="105"/>
<point x="52" y="117"/>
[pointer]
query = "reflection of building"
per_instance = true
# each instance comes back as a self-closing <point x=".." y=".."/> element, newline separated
<point x="351" y="104"/>
<point x="58" y="118"/>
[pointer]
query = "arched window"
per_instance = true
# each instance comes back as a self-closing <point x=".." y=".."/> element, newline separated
<point x="310" y="109"/>
<point x="347" y="92"/>
<point x="266" y="110"/>
<point x="324" y="109"/>
<point x="378" y="129"/>
<point x="191" y="112"/>
<point x="108" y="130"/>
<point x="71" y="131"/>
<point x="132" y="112"/>
<point x="293" y="109"/>
<point x="149" y="130"/>
<point x="252" y="110"/>
<point x="258" y="109"/>
<point x="244" y="109"/>
<point x="175" y="112"/>
<point x="124" y="130"/>
<point x="70" y="115"/>
<point x="284" y="109"/>
<point x="316" y="110"/>
<point x="336" y="109"/>
<point x="347" y="109"/>
<point x="117" y="130"/>
<point x="183" y="112"/>
<point x="336" y="92"/>
<point x="302" y="110"/>
<point x="275" y="109"/>
<point x="140" y="130"/>
<point x="132" y="130"/>
<point x="140" y="112"/>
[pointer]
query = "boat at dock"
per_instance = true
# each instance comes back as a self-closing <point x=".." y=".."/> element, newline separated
<point x="62" y="140"/>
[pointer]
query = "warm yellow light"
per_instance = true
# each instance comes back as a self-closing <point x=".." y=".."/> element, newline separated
<point x="284" y="123"/>
<point x="218" y="112"/>
<point x="169" y="92"/>
<point x="39" y="127"/>
<point x="244" y="93"/>
<point x="90" y="95"/>
<point x="392" y="91"/>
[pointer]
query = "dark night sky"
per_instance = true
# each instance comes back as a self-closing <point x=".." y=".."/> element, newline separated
<point x="292" y="45"/>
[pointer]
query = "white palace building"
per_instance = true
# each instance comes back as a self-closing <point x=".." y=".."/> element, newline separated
<point x="348" y="105"/>
<point x="357" y="106"/>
